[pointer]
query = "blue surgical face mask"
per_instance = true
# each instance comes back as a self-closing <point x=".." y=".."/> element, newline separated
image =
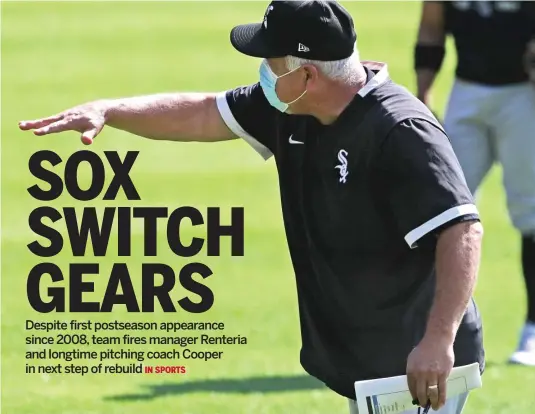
<point x="268" y="82"/>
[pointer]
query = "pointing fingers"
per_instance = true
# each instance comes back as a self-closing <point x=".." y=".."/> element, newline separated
<point x="39" y="123"/>
<point x="59" y="126"/>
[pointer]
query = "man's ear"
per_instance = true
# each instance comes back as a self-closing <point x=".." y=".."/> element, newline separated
<point x="312" y="76"/>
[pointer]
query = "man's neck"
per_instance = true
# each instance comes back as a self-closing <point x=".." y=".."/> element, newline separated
<point x="336" y="100"/>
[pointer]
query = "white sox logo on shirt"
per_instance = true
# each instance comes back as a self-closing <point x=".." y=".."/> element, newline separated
<point x="342" y="154"/>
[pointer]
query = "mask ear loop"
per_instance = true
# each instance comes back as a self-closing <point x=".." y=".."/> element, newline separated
<point x="287" y="73"/>
<point x="273" y="73"/>
<point x="296" y="99"/>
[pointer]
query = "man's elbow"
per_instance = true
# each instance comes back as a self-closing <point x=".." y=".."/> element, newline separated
<point x="431" y="36"/>
<point x="431" y="30"/>
<point x="476" y="230"/>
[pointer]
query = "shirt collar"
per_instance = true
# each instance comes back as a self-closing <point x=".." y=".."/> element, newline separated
<point x="377" y="75"/>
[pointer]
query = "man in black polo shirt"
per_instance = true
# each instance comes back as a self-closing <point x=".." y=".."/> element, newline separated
<point x="383" y="233"/>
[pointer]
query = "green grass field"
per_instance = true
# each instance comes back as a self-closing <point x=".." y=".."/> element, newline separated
<point x="55" y="55"/>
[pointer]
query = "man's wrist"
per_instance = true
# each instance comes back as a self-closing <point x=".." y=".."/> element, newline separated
<point x="424" y="97"/>
<point x="106" y="108"/>
<point x="440" y="334"/>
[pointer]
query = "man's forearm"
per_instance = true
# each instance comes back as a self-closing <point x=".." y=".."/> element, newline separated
<point x="458" y="255"/>
<point x="429" y="48"/>
<point x="170" y="116"/>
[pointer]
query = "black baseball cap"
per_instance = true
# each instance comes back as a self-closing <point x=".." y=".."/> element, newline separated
<point x="309" y="29"/>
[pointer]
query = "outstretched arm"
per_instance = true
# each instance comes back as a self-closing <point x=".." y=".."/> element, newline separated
<point x="171" y="116"/>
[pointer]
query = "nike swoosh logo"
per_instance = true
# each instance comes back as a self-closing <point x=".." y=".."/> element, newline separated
<point x="291" y="141"/>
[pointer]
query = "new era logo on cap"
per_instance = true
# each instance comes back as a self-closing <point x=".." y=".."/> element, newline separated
<point x="302" y="48"/>
<point x="312" y="29"/>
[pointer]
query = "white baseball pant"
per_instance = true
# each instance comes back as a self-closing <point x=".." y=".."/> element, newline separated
<point x="488" y="124"/>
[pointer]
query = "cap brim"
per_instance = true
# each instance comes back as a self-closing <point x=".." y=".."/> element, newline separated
<point x="250" y="40"/>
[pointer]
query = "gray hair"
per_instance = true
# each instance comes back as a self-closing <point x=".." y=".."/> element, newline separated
<point x="345" y="70"/>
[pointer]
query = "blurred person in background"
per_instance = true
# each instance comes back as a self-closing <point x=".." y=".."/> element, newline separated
<point x="384" y="288"/>
<point x="490" y="116"/>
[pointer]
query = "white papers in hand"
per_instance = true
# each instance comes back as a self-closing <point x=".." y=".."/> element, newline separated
<point x="392" y="395"/>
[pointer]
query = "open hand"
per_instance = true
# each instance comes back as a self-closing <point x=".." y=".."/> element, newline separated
<point x="428" y="368"/>
<point x="88" y="119"/>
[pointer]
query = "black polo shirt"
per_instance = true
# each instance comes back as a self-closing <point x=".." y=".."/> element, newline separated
<point x="363" y="200"/>
<point x="491" y="38"/>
